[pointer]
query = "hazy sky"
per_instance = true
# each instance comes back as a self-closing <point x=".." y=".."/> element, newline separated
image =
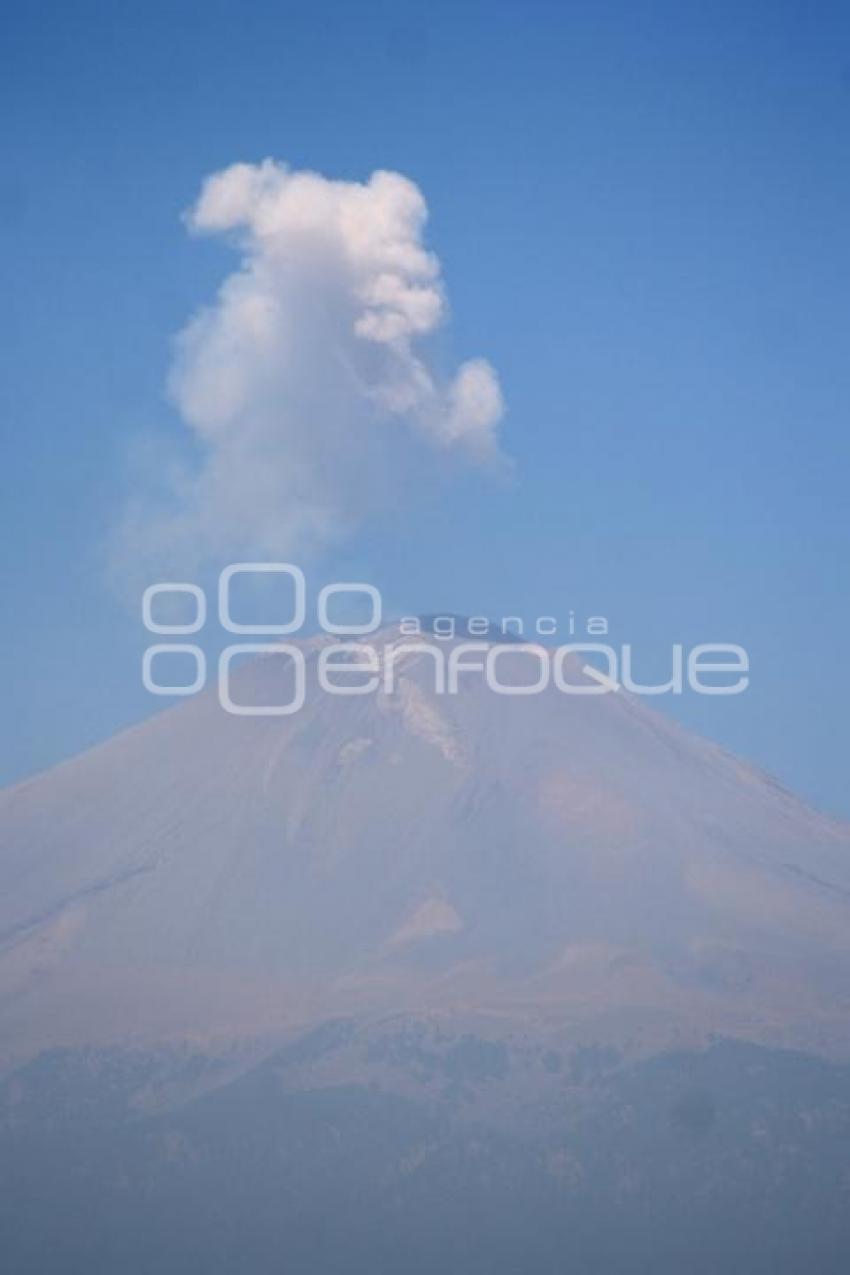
<point x="641" y="216"/>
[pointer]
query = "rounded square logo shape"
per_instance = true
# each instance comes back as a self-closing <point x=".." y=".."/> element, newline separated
<point x="174" y="648"/>
<point x="262" y="568"/>
<point x="174" y="587"/>
<point x="365" y="590"/>
<point x="261" y="710"/>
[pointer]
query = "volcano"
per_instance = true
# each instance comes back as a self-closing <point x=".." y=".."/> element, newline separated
<point x="472" y="905"/>
<point x="575" y="858"/>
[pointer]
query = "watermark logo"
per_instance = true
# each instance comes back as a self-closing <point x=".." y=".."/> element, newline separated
<point x="347" y="663"/>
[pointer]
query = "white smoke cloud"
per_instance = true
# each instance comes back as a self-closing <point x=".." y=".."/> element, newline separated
<point x="307" y="383"/>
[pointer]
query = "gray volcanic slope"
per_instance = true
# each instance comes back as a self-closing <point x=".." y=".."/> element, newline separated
<point x="577" y="864"/>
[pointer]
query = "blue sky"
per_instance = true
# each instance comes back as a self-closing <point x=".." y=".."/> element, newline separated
<point x="642" y="217"/>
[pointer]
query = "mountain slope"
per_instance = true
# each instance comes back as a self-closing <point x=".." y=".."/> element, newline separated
<point x="577" y="864"/>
